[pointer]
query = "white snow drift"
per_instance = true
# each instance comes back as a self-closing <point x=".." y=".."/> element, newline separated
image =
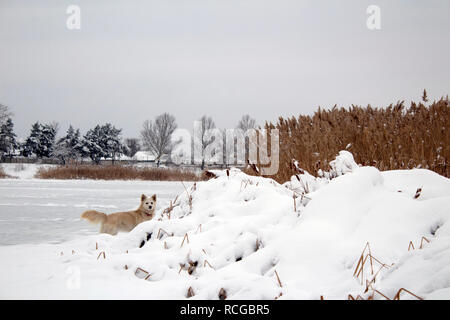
<point x="257" y="239"/>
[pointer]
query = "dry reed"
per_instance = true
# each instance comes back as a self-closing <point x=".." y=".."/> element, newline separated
<point x="389" y="138"/>
<point x="116" y="172"/>
<point x="3" y="175"/>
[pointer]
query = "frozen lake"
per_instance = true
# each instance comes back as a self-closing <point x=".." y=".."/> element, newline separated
<point x="48" y="211"/>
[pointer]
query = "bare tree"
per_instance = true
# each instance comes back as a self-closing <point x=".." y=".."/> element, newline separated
<point x="246" y="123"/>
<point x="157" y="135"/>
<point x="203" y="137"/>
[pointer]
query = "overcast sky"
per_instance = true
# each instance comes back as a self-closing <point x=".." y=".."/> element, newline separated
<point x="133" y="60"/>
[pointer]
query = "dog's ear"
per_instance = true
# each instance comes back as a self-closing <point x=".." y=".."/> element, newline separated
<point x="154" y="197"/>
<point x="143" y="197"/>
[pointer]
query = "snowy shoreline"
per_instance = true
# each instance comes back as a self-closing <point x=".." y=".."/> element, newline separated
<point x="48" y="211"/>
<point x="243" y="236"/>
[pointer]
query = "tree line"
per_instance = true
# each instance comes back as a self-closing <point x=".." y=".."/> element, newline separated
<point x="102" y="141"/>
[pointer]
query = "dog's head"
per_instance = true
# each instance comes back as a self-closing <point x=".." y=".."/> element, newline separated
<point x="148" y="204"/>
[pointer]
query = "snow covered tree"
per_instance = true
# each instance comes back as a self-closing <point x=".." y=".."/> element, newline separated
<point x="102" y="142"/>
<point x="157" y="135"/>
<point x="48" y="135"/>
<point x="111" y="141"/>
<point x="41" y="140"/>
<point x="32" y="142"/>
<point x="4" y="114"/>
<point x="69" y="146"/>
<point x="91" y="145"/>
<point x="7" y="138"/>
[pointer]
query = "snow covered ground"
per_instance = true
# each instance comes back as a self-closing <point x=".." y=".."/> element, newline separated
<point x="22" y="170"/>
<point x="48" y="211"/>
<point x="241" y="237"/>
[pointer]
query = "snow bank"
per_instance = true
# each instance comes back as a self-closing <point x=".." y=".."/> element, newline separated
<point x="23" y="170"/>
<point x="344" y="163"/>
<point x="245" y="235"/>
<point x="303" y="182"/>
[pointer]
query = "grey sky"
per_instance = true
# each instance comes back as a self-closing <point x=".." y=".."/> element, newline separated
<point x="133" y="60"/>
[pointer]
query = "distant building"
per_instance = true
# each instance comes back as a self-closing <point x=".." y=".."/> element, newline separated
<point x="144" y="156"/>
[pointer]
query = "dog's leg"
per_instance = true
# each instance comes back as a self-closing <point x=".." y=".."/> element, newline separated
<point x="110" y="229"/>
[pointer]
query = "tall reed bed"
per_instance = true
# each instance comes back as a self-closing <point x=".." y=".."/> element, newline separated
<point x="396" y="137"/>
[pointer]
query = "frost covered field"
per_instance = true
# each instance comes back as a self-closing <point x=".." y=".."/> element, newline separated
<point x="48" y="211"/>
<point x="36" y="216"/>
<point x="234" y="237"/>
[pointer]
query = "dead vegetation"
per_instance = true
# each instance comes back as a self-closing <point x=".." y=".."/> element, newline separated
<point x="389" y="138"/>
<point x="367" y="258"/>
<point x="3" y="175"/>
<point x="223" y="294"/>
<point x="115" y="172"/>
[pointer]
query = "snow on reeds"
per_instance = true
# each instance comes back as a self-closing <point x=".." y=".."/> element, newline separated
<point x="389" y="138"/>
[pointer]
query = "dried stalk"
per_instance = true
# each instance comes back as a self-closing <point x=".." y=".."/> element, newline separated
<point x="295" y="204"/>
<point x="160" y="233"/>
<point x="100" y="254"/>
<point x="190" y="292"/>
<point x="397" y="296"/>
<point x="222" y="294"/>
<point x="421" y="242"/>
<point x="418" y="192"/>
<point x="186" y="237"/>
<point x="207" y="262"/>
<point x="278" y="279"/>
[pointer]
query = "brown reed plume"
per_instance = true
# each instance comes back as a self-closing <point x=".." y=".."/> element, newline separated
<point x="389" y="138"/>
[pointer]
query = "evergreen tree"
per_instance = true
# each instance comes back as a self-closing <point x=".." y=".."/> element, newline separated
<point x="7" y="138"/>
<point x="111" y="141"/>
<point x="41" y="141"/>
<point x="102" y="142"/>
<point x="32" y="142"/>
<point x="48" y="140"/>
<point x="91" y="145"/>
<point x="69" y="146"/>
<point x="4" y="114"/>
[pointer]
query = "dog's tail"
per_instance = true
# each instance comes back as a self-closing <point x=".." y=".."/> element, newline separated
<point x="94" y="216"/>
